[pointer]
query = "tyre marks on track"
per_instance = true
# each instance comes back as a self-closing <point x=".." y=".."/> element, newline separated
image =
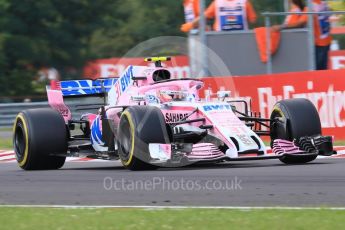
<point x="8" y="156"/>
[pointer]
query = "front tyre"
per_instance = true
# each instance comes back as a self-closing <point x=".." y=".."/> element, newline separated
<point x="40" y="139"/>
<point x="139" y="126"/>
<point x="293" y="119"/>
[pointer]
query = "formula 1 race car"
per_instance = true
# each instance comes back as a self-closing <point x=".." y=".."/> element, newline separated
<point x="148" y="120"/>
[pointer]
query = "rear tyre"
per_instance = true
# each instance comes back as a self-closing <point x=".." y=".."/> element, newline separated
<point x="297" y="118"/>
<point x="40" y="139"/>
<point x="139" y="126"/>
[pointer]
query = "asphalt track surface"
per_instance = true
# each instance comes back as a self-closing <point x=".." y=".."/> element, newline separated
<point x="251" y="183"/>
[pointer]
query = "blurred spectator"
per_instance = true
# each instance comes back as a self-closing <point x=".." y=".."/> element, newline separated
<point x="323" y="39"/>
<point x="228" y="15"/>
<point x="321" y="28"/>
<point x="44" y="77"/>
<point x="191" y="10"/>
<point x="53" y="74"/>
<point x="294" y="20"/>
<point x="48" y="74"/>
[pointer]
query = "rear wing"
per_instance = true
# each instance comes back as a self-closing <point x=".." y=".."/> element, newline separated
<point x="77" y="88"/>
<point x="84" y="87"/>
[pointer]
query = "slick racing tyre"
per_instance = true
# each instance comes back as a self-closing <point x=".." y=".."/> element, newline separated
<point x="296" y="118"/>
<point x="139" y="126"/>
<point x="40" y="139"/>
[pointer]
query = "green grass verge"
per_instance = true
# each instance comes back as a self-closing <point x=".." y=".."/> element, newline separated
<point x="2" y="129"/>
<point x="6" y="144"/>
<point x="130" y="218"/>
<point x="338" y="143"/>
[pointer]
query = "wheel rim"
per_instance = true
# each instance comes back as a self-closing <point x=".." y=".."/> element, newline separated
<point x="125" y="140"/>
<point x="19" y="142"/>
<point x="280" y="129"/>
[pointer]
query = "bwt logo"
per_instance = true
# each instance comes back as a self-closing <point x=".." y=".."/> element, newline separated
<point x="126" y="78"/>
<point x="216" y="107"/>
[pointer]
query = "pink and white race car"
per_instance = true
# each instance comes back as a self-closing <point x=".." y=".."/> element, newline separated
<point x="149" y="120"/>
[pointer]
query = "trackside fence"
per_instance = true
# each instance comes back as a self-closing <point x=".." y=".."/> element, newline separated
<point x="9" y="111"/>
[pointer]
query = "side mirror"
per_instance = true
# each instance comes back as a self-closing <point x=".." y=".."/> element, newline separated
<point x="223" y="94"/>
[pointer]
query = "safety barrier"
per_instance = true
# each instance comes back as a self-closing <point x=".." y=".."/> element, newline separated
<point x="9" y="111"/>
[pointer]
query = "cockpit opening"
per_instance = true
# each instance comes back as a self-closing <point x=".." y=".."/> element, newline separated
<point x="160" y="75"/>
